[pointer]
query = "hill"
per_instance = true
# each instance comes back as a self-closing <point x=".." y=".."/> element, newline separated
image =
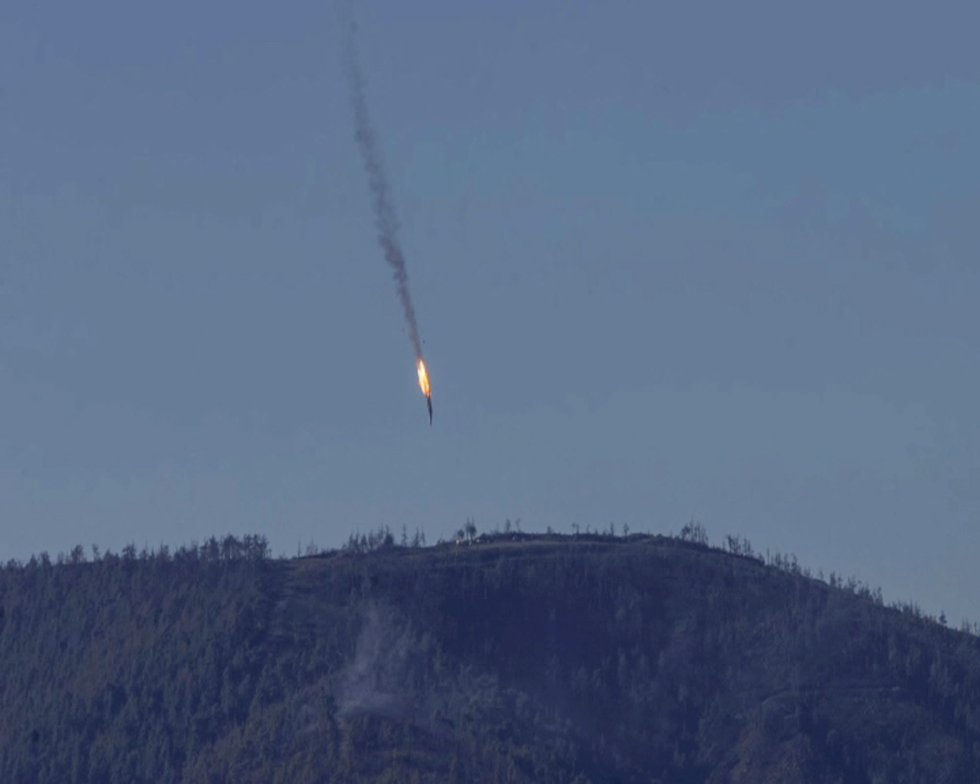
<point x="505" y="659"/>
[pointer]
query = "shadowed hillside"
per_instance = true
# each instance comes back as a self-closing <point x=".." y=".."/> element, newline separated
<point x="510" y="658"/>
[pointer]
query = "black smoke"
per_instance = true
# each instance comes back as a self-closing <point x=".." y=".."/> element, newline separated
<point x="384" y="211"/>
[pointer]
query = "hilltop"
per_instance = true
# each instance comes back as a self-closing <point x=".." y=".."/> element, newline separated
<point x="511" y="658"/>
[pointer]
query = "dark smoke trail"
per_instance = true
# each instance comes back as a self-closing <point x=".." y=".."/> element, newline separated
<point x="384" y="210"/>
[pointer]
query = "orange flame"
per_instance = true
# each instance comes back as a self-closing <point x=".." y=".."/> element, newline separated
<point x="424" y="379"/>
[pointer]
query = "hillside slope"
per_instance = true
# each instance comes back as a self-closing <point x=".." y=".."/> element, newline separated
<point x="548" y="659"/>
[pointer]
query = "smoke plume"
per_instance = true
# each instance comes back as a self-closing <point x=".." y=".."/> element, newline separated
<point x="384" y="211"/>
<point x="375" y="681"/>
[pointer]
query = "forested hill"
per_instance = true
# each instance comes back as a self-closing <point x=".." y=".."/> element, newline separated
<point x="508" y="659"/>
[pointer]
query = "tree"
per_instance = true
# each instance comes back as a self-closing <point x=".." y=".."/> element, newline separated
<point x="694" y="532"/>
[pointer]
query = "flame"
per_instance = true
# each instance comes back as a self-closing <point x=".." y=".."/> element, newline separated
<point x="424" y="379"/>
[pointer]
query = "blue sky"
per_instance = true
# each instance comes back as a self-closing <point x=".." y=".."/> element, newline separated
<point x="669" y="261"/>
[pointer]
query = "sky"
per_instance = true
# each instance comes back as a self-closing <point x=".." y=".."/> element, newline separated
<point x="670" y="262"/>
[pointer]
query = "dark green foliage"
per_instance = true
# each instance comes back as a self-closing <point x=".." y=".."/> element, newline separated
<point x="511" y="658"/>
